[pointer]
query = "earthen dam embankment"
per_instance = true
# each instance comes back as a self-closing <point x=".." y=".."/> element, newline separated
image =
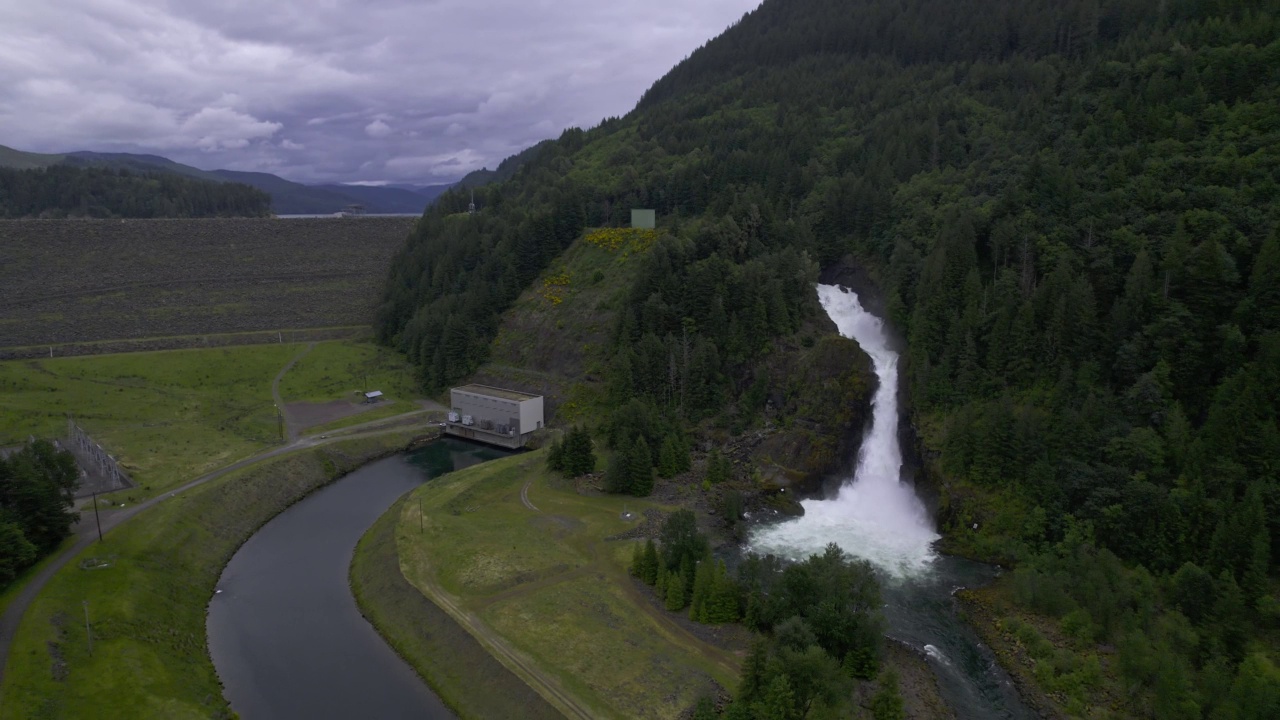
<point x="105" y="285"/>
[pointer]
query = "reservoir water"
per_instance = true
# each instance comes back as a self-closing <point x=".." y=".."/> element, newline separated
<point x="285" y="634"/>
<point x="876" y="516"/>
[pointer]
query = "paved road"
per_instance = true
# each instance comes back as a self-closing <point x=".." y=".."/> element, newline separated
<point x="86" y="532"/>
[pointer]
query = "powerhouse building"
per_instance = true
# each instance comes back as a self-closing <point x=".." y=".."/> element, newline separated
<point x="493" y="415"/>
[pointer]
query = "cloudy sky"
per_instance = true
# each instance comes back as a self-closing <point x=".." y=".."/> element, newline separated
<point x="333" y="90"/>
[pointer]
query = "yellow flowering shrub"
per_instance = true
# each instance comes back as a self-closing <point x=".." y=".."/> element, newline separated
<point x="629" y="239"/>
<point x="553" y="287"/>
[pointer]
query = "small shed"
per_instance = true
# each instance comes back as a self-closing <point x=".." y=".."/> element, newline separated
<point x="373" y="396"/>
<point x="644" y="219"/>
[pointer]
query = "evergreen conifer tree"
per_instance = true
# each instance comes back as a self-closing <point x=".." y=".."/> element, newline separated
<point x="778" y="702"/>
<point x="668" y="458"/>
<point x="886" y="704"/>
<point x="702" y="582"/>
<point x="637" y="561"/>
<point x="719" y="467"/>
<point x="684" y="462"/>
<point x="722" y="600"/>
<point x="617" y="478"/>
<point x="675" y="595"/>
<point x="651" y="562"/>
<point x="579" y="458"/>
<point x="754" y="671"/>
<point x="555" y="456"/>
<point x="640" y="468"/>
<point x="687" y="566"/>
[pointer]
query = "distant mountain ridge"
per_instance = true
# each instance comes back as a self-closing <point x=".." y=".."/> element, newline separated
<point x="287" y="197"/>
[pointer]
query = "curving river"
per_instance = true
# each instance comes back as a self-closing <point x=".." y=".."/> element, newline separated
<point x="284" y="632"/>
<point x="288" y="640"/>
<point x="876" y="516"/>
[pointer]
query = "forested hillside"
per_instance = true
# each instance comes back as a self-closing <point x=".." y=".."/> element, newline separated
<point x="1071" y="211"/>
<point x="61" y="191"/>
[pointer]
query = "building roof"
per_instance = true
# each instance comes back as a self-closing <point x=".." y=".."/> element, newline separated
<point x="515" y="395"/>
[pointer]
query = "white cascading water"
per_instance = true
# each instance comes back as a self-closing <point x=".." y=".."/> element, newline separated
<point x="874" y="515"/>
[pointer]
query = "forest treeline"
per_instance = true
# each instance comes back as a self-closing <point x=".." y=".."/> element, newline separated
<point x="36" y="486"/>
<point x="72" y="191"/>
<point x="818" y="621"/>
<point x="1071" y="210"/>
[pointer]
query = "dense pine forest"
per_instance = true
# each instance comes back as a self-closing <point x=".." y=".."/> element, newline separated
<point x="69" y="191"/>
<point x="1070" y="209"/>
<point x="36" y="483"/>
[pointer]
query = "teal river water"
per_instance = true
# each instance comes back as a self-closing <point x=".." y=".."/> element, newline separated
<point x="286" y="636"/>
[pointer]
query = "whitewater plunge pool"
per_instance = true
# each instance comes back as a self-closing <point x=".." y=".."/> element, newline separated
<point x="877" y="517"/>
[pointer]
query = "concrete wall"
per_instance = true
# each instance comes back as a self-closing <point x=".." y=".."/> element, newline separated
<point x="645" y="219"/>
<point x="531" y="415"/>
<point x="523" y="417"/>
<point x="485" y="408"/>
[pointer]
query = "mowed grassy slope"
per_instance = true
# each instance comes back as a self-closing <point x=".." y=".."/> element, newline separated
<point x="469" y="680"/>
<point x="168" y="416"/>
<point x="147" y="609"/>
<point x="551" y="587"/>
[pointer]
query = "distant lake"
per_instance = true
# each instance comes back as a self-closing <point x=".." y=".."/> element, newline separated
<point x="353" y="217"/>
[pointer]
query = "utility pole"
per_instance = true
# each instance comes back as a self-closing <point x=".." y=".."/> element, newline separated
<point x="280" y="424"/>
<point x="96" y="516"/>
<point x="87" y="633"/>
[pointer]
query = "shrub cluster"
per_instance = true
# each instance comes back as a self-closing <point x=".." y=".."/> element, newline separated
<point x="614" y="239"/>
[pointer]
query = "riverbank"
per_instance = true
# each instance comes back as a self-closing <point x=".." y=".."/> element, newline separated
<point x="917" y="684"/>
<point x="506" y="542"/>
<point x="146" y="593"/>
<point x="452" y="662"/>
<point x="985" y="612"/>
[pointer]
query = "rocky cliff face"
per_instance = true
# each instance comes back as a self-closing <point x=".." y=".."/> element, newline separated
<point x="819" y="403"/>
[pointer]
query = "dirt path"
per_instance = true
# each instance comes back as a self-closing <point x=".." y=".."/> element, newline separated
<point x="86" y="533"/>
<point x="524" y="496"/>
<point x="546" y="686"/>
<point x="290" y="427"/>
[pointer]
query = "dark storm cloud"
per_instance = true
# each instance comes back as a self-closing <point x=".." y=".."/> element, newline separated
<point x="342" y="90"/>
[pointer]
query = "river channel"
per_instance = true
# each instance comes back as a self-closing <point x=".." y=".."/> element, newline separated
<point x="877" y="517"/>
<point x="285" y="634"/>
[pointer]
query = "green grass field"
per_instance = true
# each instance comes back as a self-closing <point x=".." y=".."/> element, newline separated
<point x="336" y="370"/>
<point x="170" y="416"/>
<point x="444" y="654"/>
<point x="550" y="586"/>
<point x="147" y="608"/>
<point x="167" y="416"/>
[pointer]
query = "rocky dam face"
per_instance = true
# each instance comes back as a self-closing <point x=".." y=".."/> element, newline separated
<point x="137" y="281"/>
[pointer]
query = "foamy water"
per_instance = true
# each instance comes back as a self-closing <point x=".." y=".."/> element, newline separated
<point x="874" y="515"/>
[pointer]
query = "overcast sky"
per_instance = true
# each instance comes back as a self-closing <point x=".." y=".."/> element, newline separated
<point x="333" y="90"/>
